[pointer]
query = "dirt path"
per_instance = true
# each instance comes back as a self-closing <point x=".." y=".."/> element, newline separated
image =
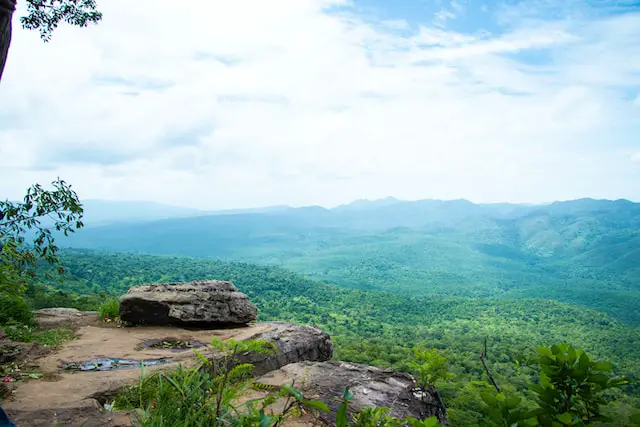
<point x="68" y="390"/>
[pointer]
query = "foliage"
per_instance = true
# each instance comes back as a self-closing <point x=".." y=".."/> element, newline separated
<point x="45" y="15"/>
<point x="210" y="394"/>
<point x="110" y="309"/>
<point x="428" y="366"/>
<point x="570" y="391"/>
<point x="207" y="395"/>
<point x="14" y="309"/>
<point x="582" y="252"/>
<point x="18" y="260"/>
<point x="48" y="338"/>
<point x="571" y="386"/>
<point x="382" y="328"/>
<point x="504" y="410"/>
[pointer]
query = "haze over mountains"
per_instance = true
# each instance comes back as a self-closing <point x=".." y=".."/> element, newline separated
<point x="582" y="251"/>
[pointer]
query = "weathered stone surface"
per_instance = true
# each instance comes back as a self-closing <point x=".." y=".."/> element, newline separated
<point x="295" y="343"/>
<point x="40" y="400"/>
<point x="52" y="318"/>
<point x="207" y="302"/>
<point x="371" y="387"/>
<point x="86" y="413"/>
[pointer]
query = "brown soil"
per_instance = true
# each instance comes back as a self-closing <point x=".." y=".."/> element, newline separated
<point x="71" y="390"/>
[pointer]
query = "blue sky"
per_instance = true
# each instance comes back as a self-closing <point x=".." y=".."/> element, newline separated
<point x="325" y="101"/>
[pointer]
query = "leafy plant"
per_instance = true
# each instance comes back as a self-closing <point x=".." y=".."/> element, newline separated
<point x="109" y="309"/>
<point x="571" y="386"/>
<point x="570" y="391"/>
<point x="504" y="410"/>
<point x="18" y="260"/>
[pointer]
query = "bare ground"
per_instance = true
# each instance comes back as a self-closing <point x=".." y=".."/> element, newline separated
<point x="61" y="391"/>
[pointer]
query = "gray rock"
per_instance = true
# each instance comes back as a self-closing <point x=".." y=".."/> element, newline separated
<point x="206" y="302"/>
<point x="86" y="413"/>
<point x="61" y="317"/>
<point x="59" y="311"/>
<point x="371" y="387"/>
<point x="295" y="343"/>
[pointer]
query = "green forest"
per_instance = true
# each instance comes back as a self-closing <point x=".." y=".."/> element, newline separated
<point x="381" y="328"/>
<point x="584" y="252"/>
<point x="488" y="297"/>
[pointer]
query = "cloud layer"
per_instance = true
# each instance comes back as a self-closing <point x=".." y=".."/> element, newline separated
<point x="221" y="104"/>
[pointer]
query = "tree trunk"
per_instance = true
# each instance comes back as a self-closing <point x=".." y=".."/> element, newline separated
<point x="7" y="7"/>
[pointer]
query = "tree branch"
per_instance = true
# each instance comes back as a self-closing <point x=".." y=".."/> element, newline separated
<point x="483" y="357"/>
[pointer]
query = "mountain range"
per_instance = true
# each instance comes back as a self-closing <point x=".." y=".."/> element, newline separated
<point x="583" y="251"/>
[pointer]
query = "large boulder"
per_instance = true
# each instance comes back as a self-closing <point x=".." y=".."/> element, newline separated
<point x="201" y="303"/>
<point x="295" y="343"/>
<point x="370" y="386"/>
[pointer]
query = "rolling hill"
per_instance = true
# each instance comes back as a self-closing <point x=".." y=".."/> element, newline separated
<point x="584" y="252"/>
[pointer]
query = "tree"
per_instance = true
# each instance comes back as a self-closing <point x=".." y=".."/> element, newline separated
<point x="570" y="392"/>
<point x="22" y="221"/>
<point x="44" y="16"/>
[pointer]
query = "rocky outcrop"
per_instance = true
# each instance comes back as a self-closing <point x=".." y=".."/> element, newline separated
<point x="202" y="303"/>
<point x="370" y="386"/>
<point x="39" y="399"/>
<point x="295" y="343"/>
<point x="52" y="318"/>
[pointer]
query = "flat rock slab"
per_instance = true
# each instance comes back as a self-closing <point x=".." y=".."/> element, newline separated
<point x="87" y="413"/>
<point x="64" y="391"/>
<point x="70" y="318"/>
<point x="371" y="386"/>
<point x="205" y="302"/>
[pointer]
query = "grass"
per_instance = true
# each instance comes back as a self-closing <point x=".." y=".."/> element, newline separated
<point x="109" y="309"/>
<point x="49" y="338"/>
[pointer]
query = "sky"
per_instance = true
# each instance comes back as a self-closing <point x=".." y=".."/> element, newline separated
<point x="231" y="104"/>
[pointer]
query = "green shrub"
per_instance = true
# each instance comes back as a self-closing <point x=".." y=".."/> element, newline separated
<point x="14" y="310"/>
<point x="570" y="391"/>
<point x="109" y="309"/>
<point x="208" y="395"/>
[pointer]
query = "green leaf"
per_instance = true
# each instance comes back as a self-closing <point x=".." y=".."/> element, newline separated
<point x="583" y="363"/>
<point x="429" y="422"/>
<point x="317" y="404"/>
<point x="565" y="418"/>
<point x="544" y="351"/>
<point x="265" y="420"/>
<point x="347" y="394"/>
<point x="512" y="402"/>
<point x="341" y="415"/>
<point x="533" y="413"/>
<point x="617" y="382"/>
<point x="489" y="399"/>
<point x="603" y="366"/>
<point x="292" y="391"/>
<point x="600" y="379"/>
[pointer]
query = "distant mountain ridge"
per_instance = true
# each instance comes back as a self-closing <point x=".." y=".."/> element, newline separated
<point x="573" y="251"/>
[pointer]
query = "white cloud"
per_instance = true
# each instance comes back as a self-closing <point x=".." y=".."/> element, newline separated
<point x="246" y="103"/>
